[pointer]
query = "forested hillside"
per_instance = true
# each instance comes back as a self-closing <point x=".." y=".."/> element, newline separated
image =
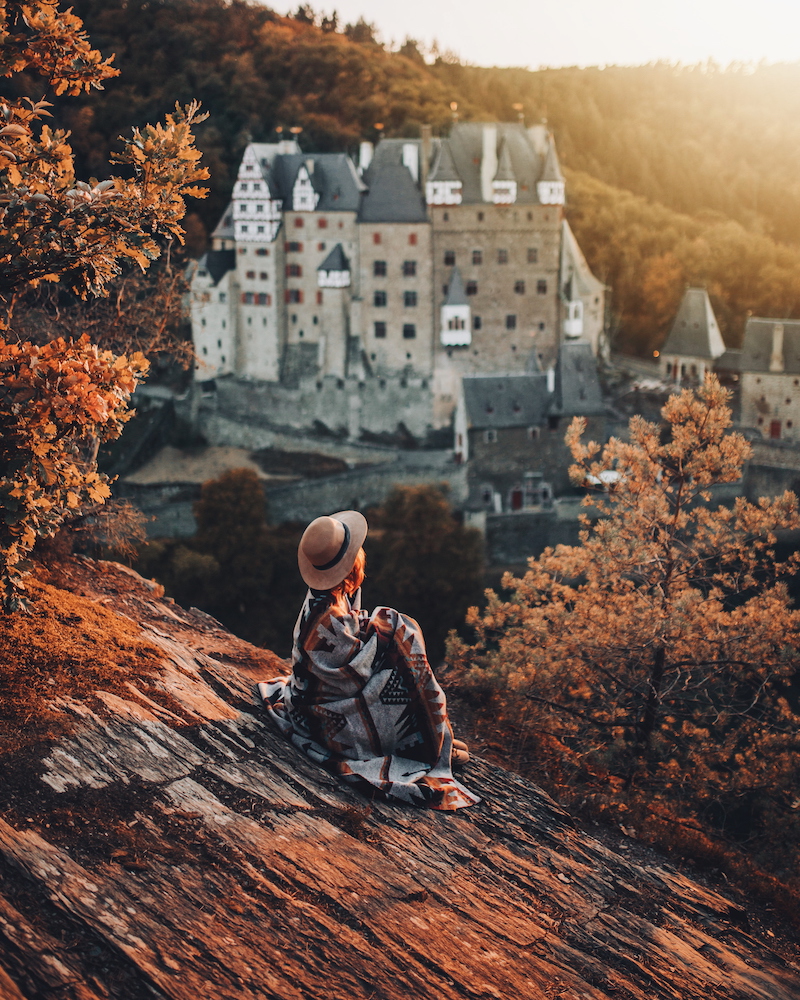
<point x="709" y="155"/>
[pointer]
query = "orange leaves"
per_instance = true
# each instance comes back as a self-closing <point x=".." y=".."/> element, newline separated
<point x="55" y="402"/>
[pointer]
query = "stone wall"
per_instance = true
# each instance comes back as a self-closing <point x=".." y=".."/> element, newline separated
<point x="346" y="407"/>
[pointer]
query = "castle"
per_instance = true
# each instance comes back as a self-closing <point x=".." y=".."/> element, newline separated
<point x="359" y="295"/>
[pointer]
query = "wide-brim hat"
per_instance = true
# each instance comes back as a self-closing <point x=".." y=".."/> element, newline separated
<point x="329" y="546"/>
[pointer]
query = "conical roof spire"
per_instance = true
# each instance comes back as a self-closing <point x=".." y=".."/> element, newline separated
<point x="552" y="168"/>
<point x="456" y="296"/>
<point x="695" y="333"/>
<point x="445" y="168"/>
<point x="505" y="169"/>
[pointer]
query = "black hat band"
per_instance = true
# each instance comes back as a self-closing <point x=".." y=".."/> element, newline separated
<point x="340" y="554"/>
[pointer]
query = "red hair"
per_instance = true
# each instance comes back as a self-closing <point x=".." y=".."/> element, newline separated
<point x="354" y="578"/>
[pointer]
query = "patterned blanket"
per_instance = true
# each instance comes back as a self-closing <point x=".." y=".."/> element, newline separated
<point x="362" y="701"/>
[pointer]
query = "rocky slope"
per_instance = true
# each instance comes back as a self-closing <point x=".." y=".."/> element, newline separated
<point x="163" y="842"/>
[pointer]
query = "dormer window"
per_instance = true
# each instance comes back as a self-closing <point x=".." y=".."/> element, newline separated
<point x="243" y="186"/>
<point x="249" y="168"/>
<point x="256" y="187"/>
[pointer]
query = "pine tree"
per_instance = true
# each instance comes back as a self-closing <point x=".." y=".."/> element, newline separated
<point x="658" y="660"/>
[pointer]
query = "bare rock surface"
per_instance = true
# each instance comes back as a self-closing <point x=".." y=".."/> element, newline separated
<point x="188" y="852"/>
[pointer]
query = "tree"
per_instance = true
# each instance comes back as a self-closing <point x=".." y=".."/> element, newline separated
<point x="423" y="562"/>
<point x="658" y="660"/>
<point x="59" y="400"/>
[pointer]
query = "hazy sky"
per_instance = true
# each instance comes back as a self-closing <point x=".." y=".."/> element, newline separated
<point x="585" y="32"/>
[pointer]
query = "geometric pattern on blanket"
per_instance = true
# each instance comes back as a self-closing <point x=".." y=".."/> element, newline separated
<point x="362" y="702"/>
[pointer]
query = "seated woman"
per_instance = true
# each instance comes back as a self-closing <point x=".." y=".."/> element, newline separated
<point x="362" y="700"/>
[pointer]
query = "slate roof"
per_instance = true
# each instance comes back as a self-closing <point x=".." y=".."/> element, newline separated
<point x="552" y="168"/>
<point x="505" y="171"/>
<point x="456" y="296"/>
<point x="757" y="345"/>
<point x="224" y="230"/>
<point x="500" y="401"/>
<point x="576" y="277"/>
<point x="695" y="333"/>
<point x="218" y="263"/>
<point x="465" y="144"/>
<point x="392" y="196"/>
<point x="444" y="168"/>
<point x="334" y="178"/>
<point x="335" y="261"/>
<point x="577" y="387"/>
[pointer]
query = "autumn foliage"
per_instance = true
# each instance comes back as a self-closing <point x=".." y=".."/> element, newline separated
<point x="60" y="399"/>
<point x="654" y="667"/>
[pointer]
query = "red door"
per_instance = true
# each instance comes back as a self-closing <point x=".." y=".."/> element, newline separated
<point x="775" y="429"/>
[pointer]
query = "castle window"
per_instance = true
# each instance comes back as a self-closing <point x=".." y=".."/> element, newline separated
<point x="477" y="257"/>
<point x="519" y="287"/>
<point x="533" y="255"/>
<point x="541" y="325"/>
<point x="320" y="246"/>
<point x="244" y="229"/>
<point x="477" y="322"/>
<point x="223" y="296"/>
<point x="203" y="323"/>
<point x="262" y="275"/>
<point x="205" y="350"/>
<point x="247" y="298"/>
<point x="256" y="187"/>
<point x="260" y="229"/>
<point x="294" y="247"/>
<point x="250" y="274"/>
<point x="219" y="343"/>
<point x="511" y="322"/>
<point x="249" y="168"/>
<point x="788" y="402"/>
<point x="456" y="323"/>
<point x="322" y="223"/>
<point x="298" y="222"/>
<point x="449" y="258"/>
<point x="533" y="433"/>
<point x="445" y="216"/>
<point x="412" y="239"/>
<point x="409" y="268"/>
<point x="409" y="299"/>
<point x="472" y="287"/>
<point x="502" y="256"/>
<point x="243" y="187"/>
<point x="294" y="295"/>
<point x="541" y="287"/>
<point x="530" y="214"/>
<point x="242" y="249"/>
<point x="380" y="329"/>
<point x="376" y="238"/>
<point x="259" y="207"/>
<point x="379" y="268"/>
<point x="319" y="302"/>
<point x="264" y="299"/>
<point x="409" y="331"/>
<point x="490" y="436"/>
<point x="293" y="271"/>
<point x="262" y="252"/>
<point x="379" y="299"/>
<point x="480" y="216"/>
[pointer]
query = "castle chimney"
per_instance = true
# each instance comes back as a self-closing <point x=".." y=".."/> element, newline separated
<point x="776" y="363"/>
<point x="365" y="151"/>
<point x="425" y="153"/>
<point x="488" y="161"/>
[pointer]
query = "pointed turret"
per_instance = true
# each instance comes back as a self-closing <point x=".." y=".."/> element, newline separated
<point x="550" y="187"/>
<point x="456" y="315"/>
<point x="443" y="186"/>
<point x="694" y="341"/>
<point x="334" y="271"/>
<point x="504" y="184"/>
